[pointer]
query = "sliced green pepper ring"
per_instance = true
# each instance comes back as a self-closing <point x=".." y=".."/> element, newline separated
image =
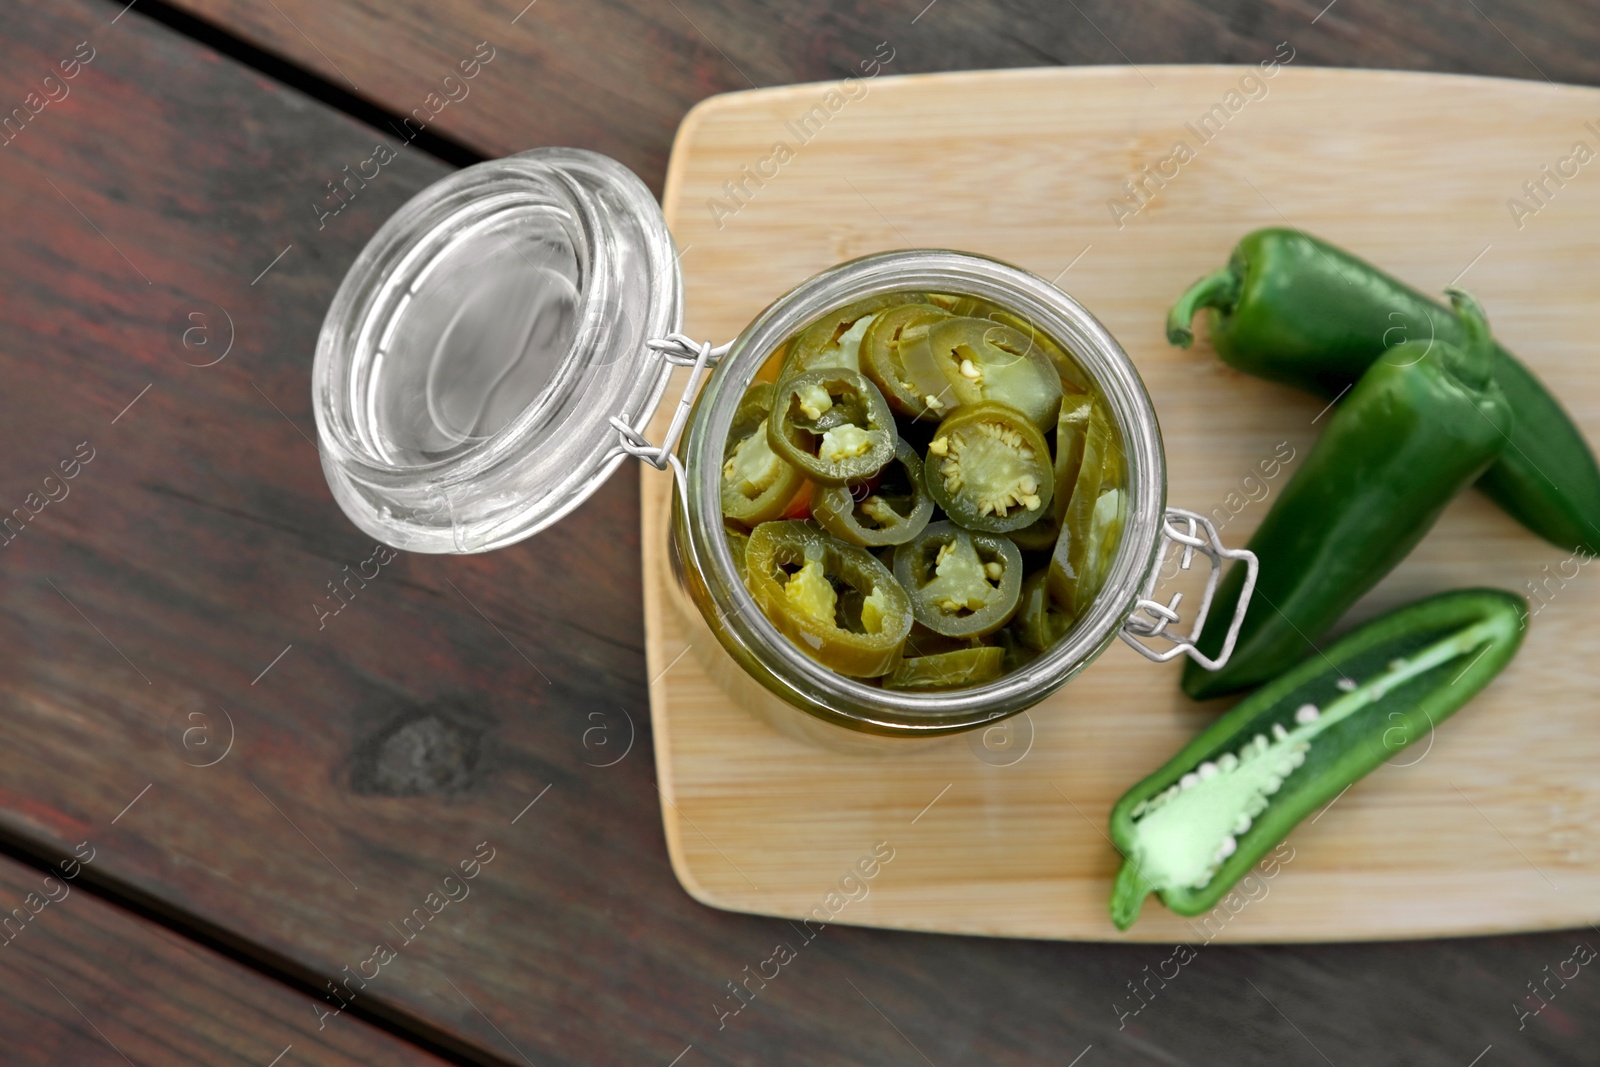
<point x="1092" y="522"/>
<point x="835" y="601"/>
<point x="956" y="305"/>
<point x="1071" y="429"/>
<point x="907" y="378"/>
<point x="961" y="584"/>
<point x="988" y="467"/>
<point x="1039" y="620"/>
<point x="986" y="360"/>
<point x="757" y="484"/>
<point x="890" y="510"/>
<point x="1073" y="379"/>
<point x="832" y="424"/>
<point x="738" y="544"/>
<point x="948" y="670"/>
<point x="835" y="339"/>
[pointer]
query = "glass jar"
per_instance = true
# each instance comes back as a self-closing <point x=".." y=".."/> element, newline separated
<point x="501" y="345"/>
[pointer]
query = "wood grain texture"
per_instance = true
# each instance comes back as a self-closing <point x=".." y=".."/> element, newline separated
<point x="1022" y="166"/>
<point x="616" y="75"/>
<point x="198" y="537"/>
<point x="85" y="982"/>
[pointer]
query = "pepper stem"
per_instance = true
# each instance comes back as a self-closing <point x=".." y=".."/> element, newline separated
<point x="1473" y="359"/>
<point x="1127" y="895"/>
<point x="1218" y="290"/>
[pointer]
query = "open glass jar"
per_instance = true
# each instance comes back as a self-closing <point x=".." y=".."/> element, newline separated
<point x="501" y="345"/>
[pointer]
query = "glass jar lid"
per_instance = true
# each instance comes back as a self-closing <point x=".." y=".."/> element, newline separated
<point x="471" y="365"/>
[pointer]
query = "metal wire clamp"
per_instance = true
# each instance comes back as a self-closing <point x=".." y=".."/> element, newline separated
<point x="681" y="351"/>
<point x="1150" y="618"/>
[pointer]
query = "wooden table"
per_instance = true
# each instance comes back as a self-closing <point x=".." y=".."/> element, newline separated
<point x="267" y="799"/>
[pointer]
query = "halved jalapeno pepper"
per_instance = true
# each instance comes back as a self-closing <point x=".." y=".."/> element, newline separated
<point x="989" y="469"/>
<point x="836" y="602"/>
<point x="835" y="339"/>
<point x="948" y="670"/>
<point x="1092" y="522"/>
<point x="961" y="584"/>
<point x="832" y="424"/>
<point x="757" y="484"/>
<point x="895" y="355"/>
<point x="890" y="510"/>
<point x="986" y="360"/>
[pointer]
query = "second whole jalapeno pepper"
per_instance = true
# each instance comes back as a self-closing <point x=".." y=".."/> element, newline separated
<point x="1296" y="309"/>
<point x="1420" y="425"/>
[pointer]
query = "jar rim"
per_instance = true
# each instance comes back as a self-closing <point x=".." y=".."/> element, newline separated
<point x="745" y="630"/>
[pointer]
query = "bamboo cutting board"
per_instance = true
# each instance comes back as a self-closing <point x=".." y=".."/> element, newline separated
<point x="1489" y="828"/>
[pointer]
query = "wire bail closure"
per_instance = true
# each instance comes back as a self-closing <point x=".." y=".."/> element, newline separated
<point x="1150" y="618"/>
<point x="700" y="357"/>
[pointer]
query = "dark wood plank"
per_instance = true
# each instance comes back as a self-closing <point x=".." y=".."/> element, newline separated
<point x="141" y="611"/>
<point x="617" y="75"/>
<point x="85" y="982"/>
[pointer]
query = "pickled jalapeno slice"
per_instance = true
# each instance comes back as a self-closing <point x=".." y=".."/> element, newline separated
<point x="947" y="670"/>
<point x="898" y="410"/>
<point x="757" y="484"/>
<point x="738" y="543"/>
<point x="1072" y="377"/>
<point x="1092" y="522"/>
<point x="956" y="305"/>
<point x="961" y="584"/>
<point x="989" y="469"/>
<point x="831" y="424"/>
<point x="835" y="339"/>
<point x="891" y="509"/>
<point x="986" y="360"/>
<point x="1039" y="620"/>
<point x="895" y="355"/>
<point x="835" y="601"/>
<point x="1071" y="428"/>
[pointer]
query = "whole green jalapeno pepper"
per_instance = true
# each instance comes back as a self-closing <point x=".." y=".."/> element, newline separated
<point x="1421" y="424"/>
<point x="1295" y="309"/>
<point x="1200" y="823"/>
